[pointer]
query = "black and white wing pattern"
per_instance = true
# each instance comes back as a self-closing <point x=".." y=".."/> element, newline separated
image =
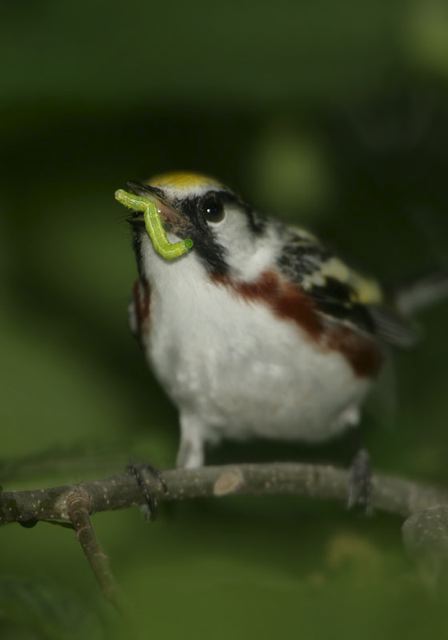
<point x="339" y="292"/>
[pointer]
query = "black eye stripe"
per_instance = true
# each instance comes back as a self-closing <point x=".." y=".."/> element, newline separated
<point x="212" y="254"/>
<point x="203" y="232"/>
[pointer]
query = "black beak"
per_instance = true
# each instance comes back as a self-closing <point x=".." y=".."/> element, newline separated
<point x="171" y="218"/>
<point x="136" y="219"/>
<point x="140" y="189"/>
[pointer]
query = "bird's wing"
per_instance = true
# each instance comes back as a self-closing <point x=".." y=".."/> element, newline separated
<point x="340" y="293"/>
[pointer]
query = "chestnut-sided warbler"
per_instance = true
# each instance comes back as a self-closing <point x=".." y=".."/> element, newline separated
<point x="255" y="329"/>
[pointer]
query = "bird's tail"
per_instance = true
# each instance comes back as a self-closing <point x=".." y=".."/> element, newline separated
<point x="421" y="293"/>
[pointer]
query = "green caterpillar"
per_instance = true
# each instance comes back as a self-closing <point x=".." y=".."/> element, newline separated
<point x="154" y="226"/>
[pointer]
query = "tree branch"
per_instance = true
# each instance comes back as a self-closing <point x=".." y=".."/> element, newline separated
<point x="389" y="494"/>
<point x="73" y="505"/>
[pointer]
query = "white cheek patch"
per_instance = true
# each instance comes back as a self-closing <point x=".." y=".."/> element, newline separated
<point x="233" y="234"/>
<point x="248" y="255"/>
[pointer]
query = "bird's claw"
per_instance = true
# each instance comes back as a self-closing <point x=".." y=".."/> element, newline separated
<point x="360" y="483"/>
<point x="141" y="471"/>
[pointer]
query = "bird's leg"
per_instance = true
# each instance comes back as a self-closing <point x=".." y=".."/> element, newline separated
<point x="359" y="490"/>
<point x="190" y="454"/>
<point x="360" y="482"/>
<point x="141" y="472"/>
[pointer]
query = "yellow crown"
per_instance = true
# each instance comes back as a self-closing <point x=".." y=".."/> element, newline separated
<point x="182" y="180"/>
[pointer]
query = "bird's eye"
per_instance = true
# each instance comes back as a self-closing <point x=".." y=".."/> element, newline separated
<point x="213" y="209"/>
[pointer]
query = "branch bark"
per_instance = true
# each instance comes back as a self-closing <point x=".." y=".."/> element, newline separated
<point x="389" y="494"/>
<point x="78" y="509"/>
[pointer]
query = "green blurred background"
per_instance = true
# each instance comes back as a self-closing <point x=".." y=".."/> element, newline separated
<point x="331" y="114"/>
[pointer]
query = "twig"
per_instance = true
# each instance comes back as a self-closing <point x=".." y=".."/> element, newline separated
<point x="78" y="508"/>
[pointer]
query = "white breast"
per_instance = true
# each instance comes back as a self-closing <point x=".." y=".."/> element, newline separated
<point x="238" y="368"/>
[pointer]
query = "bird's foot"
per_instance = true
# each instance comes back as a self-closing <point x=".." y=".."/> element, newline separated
<point x="142" y="472"/>
<point x="360" y="483"/>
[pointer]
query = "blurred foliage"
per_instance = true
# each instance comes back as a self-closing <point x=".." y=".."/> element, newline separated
<point x="38" y="608"/>
<point x="332" y="115"/>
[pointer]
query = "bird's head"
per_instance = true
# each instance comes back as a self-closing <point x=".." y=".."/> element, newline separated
<point x="224" y="230"/>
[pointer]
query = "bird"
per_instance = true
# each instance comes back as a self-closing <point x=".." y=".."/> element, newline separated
<point x="258" y="331"/>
